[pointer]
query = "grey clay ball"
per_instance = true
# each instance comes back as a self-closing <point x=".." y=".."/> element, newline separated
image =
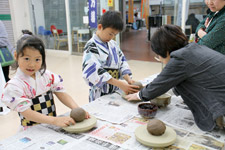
<point x="138" y="84"/>
<point x="78" y="114"/>
<point x="156" y="127"/>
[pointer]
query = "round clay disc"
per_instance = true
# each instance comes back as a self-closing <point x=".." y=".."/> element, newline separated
<point x="82" y="126"/>
<point x="164" y="140"/>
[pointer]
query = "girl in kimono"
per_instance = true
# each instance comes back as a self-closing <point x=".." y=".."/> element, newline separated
<point x="103" y="61"/>
<point x="30" y="91"/>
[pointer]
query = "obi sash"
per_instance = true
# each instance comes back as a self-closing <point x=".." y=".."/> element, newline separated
<point x="113" y="72"/>
<point x="43" y="104"/>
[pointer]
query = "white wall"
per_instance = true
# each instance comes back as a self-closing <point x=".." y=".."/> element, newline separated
<point x="21" y="17"/>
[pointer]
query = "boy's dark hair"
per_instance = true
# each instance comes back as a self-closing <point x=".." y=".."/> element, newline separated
<point x="168" y="38"/>
<point x="31" y="41"/>
<point x="112" y="19"/>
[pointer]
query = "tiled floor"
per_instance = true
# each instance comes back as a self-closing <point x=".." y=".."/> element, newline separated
<point x="69" y="67"/>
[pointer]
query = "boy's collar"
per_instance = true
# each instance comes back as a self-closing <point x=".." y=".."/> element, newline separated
<point x="99" y="41"/>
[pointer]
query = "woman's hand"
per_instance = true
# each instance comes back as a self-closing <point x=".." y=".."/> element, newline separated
<point x="63" y="121"/>
<point x="132" y="97"/>
<point x="201" y="33"/>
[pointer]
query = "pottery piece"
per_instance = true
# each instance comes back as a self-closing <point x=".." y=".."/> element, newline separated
<point x="164" y="140"/>
<point x="156" y="127"/>
<point x="162" y="101"/>
<point x="78" y="114"/>
<point x="138" y="84"/>
<point x="147" y="110"/>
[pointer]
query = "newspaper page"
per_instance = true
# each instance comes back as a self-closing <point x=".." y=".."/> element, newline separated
<point x="54" y="138"/>
<point x="112" y="108"/>
<point x="38" y="137"/>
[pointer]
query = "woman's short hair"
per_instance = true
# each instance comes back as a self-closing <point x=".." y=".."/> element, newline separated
<point x="167" y="39"/>
<point x="112" y="19"/>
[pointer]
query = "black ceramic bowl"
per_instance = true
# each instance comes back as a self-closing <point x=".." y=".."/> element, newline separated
<point x="147" y="110"/>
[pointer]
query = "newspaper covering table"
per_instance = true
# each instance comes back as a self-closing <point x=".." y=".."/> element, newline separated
<point x="117" y="121"/>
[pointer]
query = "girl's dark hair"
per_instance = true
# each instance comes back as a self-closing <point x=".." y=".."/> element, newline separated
<point x="31" y="41"/>
<point x="168" y="38"/>
<point x="112" y="19"/>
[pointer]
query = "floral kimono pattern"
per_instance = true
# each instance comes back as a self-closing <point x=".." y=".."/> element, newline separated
<point x="23" y="92"/>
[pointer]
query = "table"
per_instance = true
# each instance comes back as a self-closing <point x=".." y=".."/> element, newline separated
<point x="81" y="39"/>
<point x="74" y="31"/>
<point x="3" y="109"/>
<point x="117" y="120"/>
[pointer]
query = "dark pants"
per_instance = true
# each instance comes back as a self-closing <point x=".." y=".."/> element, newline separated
<point x="6" y="73"/>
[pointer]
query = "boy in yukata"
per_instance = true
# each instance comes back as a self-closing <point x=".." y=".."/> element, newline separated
<point x="104" y="64"/>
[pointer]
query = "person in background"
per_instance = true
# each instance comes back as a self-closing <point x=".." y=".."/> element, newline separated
<point x="4" y="42"/>
<point x="193" y="21"/>
<point x="211" y="30"/>
<point x="135" y="23"/>
<point x="104" y="64"/>
<point x="30" y="91"/>
<point x="194" y="71"/>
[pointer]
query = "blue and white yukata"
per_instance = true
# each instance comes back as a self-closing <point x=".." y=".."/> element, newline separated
<point x="101" y="62"/>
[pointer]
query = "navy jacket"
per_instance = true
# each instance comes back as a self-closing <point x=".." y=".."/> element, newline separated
<point x="198" y="74"/>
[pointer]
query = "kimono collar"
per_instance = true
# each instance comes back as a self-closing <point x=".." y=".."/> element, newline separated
<point x="20" y="74"/>
<point x="99" y="42"/>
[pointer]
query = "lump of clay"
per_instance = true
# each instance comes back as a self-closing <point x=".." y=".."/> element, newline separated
<point x="138" y="84"/>
<point x="156" y="127"/>
<point x="78" y="114"/>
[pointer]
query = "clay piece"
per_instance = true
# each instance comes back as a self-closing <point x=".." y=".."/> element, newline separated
<point x="156" y="127"/>
<point x="78" y="114"/>
<point x="162" y="101"/>
<point x="138" y="84"/>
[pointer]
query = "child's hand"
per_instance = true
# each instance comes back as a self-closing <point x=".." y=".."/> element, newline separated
<point x="63" y="121"/>
<point x="87" y="115"/>
<point x="130" y="81"/>
<point x="127" y="88"/>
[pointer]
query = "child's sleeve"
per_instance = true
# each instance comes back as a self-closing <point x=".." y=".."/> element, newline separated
<point x="124" y="67"/>
<point x="56" y="82"/>
<point x="92" y="71"/>
<point x="14" y="97"/>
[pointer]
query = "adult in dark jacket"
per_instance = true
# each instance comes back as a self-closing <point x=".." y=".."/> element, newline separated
<point x="196" y="73"/>
<point x="193" y="21"/>
<point x="211" y="30"/>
